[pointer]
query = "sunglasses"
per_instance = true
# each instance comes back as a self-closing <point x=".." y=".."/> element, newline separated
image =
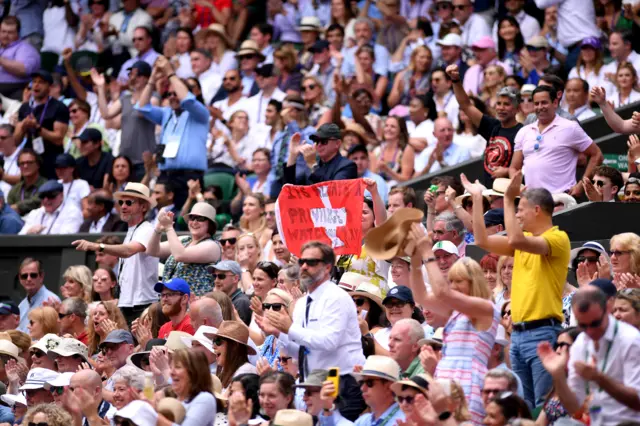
<point x="57" y="390"/>
<point x="309" y="87"/>
<point x="38" y="424"/>
<point x="459" y="7"/>
<point x="323" y="141"/>
<point x="593" y="324"/>
<point x="403" y="399"/>
<point x="231" y="241"/>
<point x="284" y="359"/>
<point x="218" y="341"/>
<point x="588" y="259"/>
<point x="129" y="203"/>
<point x="242" y="58"/>
<point x="32" y="275"/>
<point x="618" y="253"/>
<point x="49" y="195"/>
<point x="395" y="304"/>
<point x="61" y="316"/>
<point x="369" y="382"/>
<point x="201" y="219"/>
<point x="359" y="301"/>
<point x="220" y="276"/>
<point x="561" y="345"/>
<point x="506" y="313"/>
<point x="274" y="306"/>
<point x="38" y="353"/>
<point x="598" y="183"/>
<point x="534" y="48"/>
<point x="229" y="79"/>
<point x="170" y="94"/>
<point x="441" y="6"/>
<point x="310" y="262"/>
<point x="309" y="392"/>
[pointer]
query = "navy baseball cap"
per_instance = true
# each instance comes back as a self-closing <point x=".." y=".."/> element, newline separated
<point x="45" y="75"/>
<point x="118" y="336"/>
<point x="65" y="160"/>
<point x="607" y="286"/>
<point x="319" y="46"/>
<point x="90" y="135"/>
<point x="9" y="308"/>
<point x="144" y="69"/>
<point x="265" y="71"/>
<point x="494" y="217"/>
<point x="400" y="292"/>
<point x="50" y="186"/>
<point x="174" y="284"/>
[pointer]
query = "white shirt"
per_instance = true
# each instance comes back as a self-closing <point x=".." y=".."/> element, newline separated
<point x="423" y="130"/>
<point x="583" y="113"/>
<point x="618" y="101"/>
<point x="138" y="273"/>
<point x="10" y="169"/>
<point x="529" y="26"/>
<point x="66" y="219"/>
<point x="244" y="147"/>
<point x="474" y="29"/>
<point x="184" y="70"/>
<point x="576" y="20"/>
<point x="257" y="105"/>
<point x="227" y="110"/>
<point x="227" y="62"/>
<point x="623" y="365"/>
<point x="332" y="335"/>
<point x="475" y="144"/>
<point x="210" y="81"/>
<point x="140" y="18"/>
<point x="57" y="33"/>
<point x="592" y="78"/>
<point x="96" y="227"/>
<point x="75" y="191"/>
<point x="450" y="106"/>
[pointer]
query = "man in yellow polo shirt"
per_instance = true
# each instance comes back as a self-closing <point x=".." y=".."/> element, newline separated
<point x="541" y="255"/>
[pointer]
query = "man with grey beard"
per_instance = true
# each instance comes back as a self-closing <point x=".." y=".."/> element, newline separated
<point x="324" y="330"/>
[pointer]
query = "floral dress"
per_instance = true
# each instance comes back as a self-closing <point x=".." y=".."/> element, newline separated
<point x="554" y="410"/>
<point x="196" y="274"/>
<point x="465" y="354"/>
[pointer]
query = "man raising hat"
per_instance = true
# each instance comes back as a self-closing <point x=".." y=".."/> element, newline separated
<point x="137" y="271"/>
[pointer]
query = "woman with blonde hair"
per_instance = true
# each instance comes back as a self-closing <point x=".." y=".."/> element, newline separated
<point x="78" y="282"/>
<point x="415" y="80"/>
<point x="226" y="305"/>
<point x="470" y="332"/>
<point x="315" y="99"/>
<point x="285" y="60"/>
<point x="502" y="291"/>
<point x="236" y="149"/>
<point x="625" y="259"/>
<point x="626" y="86"/>
<point x="254" y="219"/>
<point x="461" y="412"/>
<point x="394" y="158"/>
<point x="104" y="318"/>
<point x="627" y="306"/>
<point x="43" y="320"/>
<point x="248" y="254"/>
<point x="276" y="300"/>
<point x="494" y="76"/>
<point x="47" y="414"/>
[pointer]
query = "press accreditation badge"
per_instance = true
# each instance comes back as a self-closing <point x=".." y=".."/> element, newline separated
<point x="172" y="146"/>
<point x="38" y="145"/>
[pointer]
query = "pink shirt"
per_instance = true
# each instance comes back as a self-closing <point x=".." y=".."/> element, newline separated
<point x="474" y="76"/>
<point x="551" y="157"/>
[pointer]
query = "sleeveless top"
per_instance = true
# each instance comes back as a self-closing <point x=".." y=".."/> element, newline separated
<point x="196" y="274"/>
<point x="423" y="84"/>
<point x="395" y="164"/>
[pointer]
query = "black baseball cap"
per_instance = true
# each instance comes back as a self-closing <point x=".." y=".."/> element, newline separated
<point x="65" y="160"/>
<point x="357" y="148"/>
<point x="7" y="307"/>
<point x="45" y="75"/>
<point x="400" y="292"/>
<point x="327" y="131"/>
<point x="265" y="70"/>
<point x="144" y="69"/>
<point x="90" y="135"/>
<point x="319" y="46"/>
<point x="494" y="217"/>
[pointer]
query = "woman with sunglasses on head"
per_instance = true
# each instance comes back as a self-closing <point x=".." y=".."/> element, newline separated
<point x="627" y="306"/>
<point x="231" y="346"/>
<point x="506" y="407"/>
<point x="632" y="189"/>
<point x="276" y="300"/>
<point x="473" y="321"/>
<point x="104" y="285"/>
<point x="552" y="408"/>
<point x="103" y="318"/>
<point x="624" y="250"/>
<point x="187" y="258"/>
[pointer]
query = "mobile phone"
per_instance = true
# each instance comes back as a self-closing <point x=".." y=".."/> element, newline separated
<point x="363" y="314"/>
<point x="334" y="376"/>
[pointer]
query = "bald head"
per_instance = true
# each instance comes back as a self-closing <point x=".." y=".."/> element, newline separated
<point x="205" y="311"/>
<point x="88" y="380"/>
<point x="443" y="131"/>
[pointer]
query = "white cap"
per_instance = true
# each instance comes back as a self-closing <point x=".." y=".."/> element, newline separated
<point x="200" y="337"/>
<point x="447" y="246"/>
<point x="47" y="342"/>
<point x="451" y="39"/>
<point x="63" y="380"/>
<point x="12" y="400"/>
<point x="37" y="378"/>
<point x="501" y="336"/>
<point x="140" y="412"/>
<point x="527" y="88"/>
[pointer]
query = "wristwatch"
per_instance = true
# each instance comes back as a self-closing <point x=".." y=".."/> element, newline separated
<point x="330" y="410"/>
<point x="444" y="415"/>
<point x="101" y="249"/>
<point x="430" y="259"/>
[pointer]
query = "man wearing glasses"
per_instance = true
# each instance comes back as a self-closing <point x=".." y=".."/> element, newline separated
<point x="174" y="298"/>
<point x="323" y="332"/>
<point x="31" y="275"/>
<point x="227" y="276"/>
<point x="137" y="271"/>
<point x="142" y="42"/>
<point x="54" y="216"/>
<point x="331" y="164"/>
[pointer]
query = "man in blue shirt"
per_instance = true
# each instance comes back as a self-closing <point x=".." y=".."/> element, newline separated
<point x="445" y="153"/>
<point x="185" y="126"/>
<point x="31" y="275"/>
<point x="10" y="221"/>
<point x="360" y="156"/>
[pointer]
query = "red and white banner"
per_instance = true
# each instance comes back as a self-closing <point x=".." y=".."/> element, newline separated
<point x="330" y="212"/>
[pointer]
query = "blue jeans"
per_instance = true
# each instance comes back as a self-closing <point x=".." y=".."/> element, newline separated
<point x="526" y="364"/>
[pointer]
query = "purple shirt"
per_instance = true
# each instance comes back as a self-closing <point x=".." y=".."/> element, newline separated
<point x="21" y="51"/>
<point x="551" y="157"/>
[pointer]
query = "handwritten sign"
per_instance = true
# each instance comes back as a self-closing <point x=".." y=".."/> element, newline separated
<point x="330" y="212"/>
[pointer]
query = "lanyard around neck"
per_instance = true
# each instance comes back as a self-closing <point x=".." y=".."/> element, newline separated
<point x="606" y="355"/>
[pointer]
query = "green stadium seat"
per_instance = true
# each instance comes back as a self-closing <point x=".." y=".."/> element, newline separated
<point x="225" y="181"/>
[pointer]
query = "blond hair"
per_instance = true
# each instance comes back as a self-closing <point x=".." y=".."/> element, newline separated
<point x="469" y="270"/>
<point x="115" y="315"/>
<point x="500" y="287"/>
<point x="83" y="276"/>
<point x="48" y="317"/>
<point x="631" y="242"/>
<point x="283" y="295"/>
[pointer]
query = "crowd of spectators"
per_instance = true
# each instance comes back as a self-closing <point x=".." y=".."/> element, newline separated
<point x="175" y="124"/>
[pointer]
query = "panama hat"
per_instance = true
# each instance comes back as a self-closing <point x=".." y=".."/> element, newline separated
<point x="419" y="382"/>
<point x="217" y="388"/>
<point x="370" y="291"/>
<point x="203" y="209"/>
<point x="250" y="47"/>
<point x="292" y="418"/>
<point x="433" y="341"/>
<point x="219" y="30"/>
<point x="500" y="185"/>
<point x="8" y="348"/>
<point x="589" y="245"/>
<point x="380" y="366"/>
<point x="136" y="190"/>
<point x="388" y="240"/>
<point x="173" y="408"/>
<point x="236" y="331"/>
<point x="310" y="23"/>
<point x="351" y="280"/>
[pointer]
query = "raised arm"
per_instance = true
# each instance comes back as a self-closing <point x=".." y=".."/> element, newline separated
<point x="379" y="210"/>
<point x="617" y="123"/>
<point x="107" y="112"/>
<point x="461" y="96"/>
<point x="80" y="91"/>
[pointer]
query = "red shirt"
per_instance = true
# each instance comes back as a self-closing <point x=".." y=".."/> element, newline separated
<point x="83" y="337"/>
<point x="204" y="17"/>
<point x="184" y="325"/>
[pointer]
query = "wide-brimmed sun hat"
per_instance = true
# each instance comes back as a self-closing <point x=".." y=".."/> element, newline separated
<point x="136" y="190"/>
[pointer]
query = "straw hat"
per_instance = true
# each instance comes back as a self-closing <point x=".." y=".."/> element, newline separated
<point x="8" y="348"/>
<point x="293" y="418"/>
<point x="419" y="381"/>
<point x="217" y="388"/>
<point x="351" y="280"/>
<point x="174" y="340"/>
<point x="219" y="30"/>
<point x="380" y="366"/>
<point x="310" y="23"/>
<point x="203" y="209"/>
<point x="388" y="240"/>
<point x="136" y="190"/>
<point x="357" y="129"/>
<point x="370" y="291"/>
<point x="173" y="408"/>
<point x="250" y="47"/>
<point x="500" y="185"/>
<point x="236" y="331"/>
